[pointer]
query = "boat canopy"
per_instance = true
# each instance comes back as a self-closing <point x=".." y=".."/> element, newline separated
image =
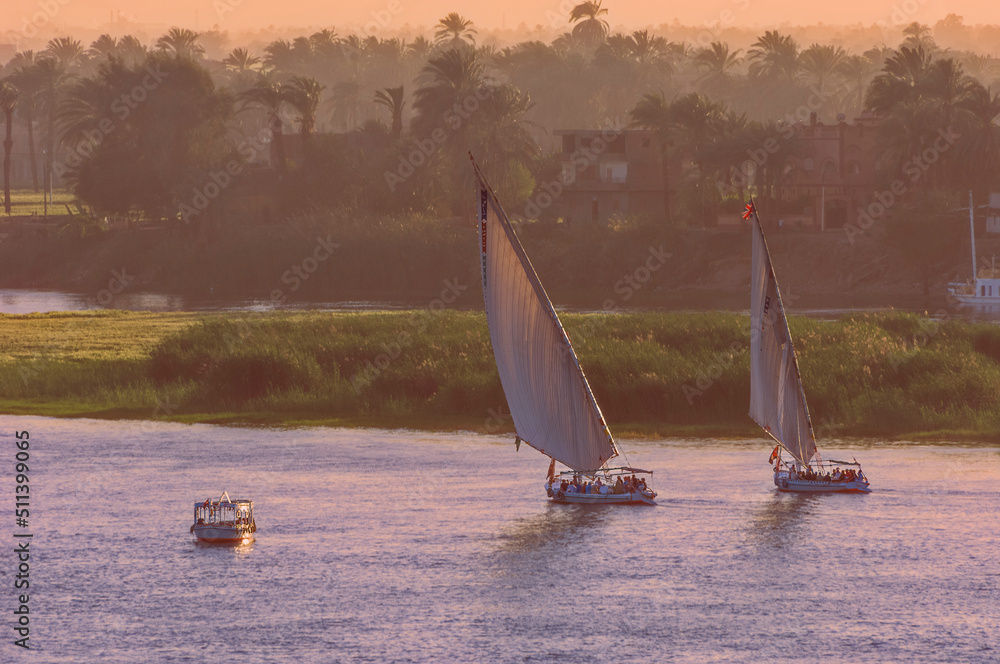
<point x="550" y="401"/>
<point x="622" y="469"/>
<point x="777" y="401"/>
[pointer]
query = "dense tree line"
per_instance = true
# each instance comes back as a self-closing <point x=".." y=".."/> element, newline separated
<point x="385" y="124"/>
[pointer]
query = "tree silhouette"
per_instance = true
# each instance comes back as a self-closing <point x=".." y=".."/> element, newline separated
<point x="8" y="102"/>
<point x="181" y="43"/>
<point x="717" y="66"/>
<point x="455" y="30"/>
<point x="590" y="28"/>
<point x="392" y="100"/>
<point x="270" y="96"/>
<point x="27" y="79"/>
<point x="304" y="95"/>
<point x="67" y="51"/>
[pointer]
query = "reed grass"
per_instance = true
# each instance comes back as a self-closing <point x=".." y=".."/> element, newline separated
<point x="875" y="375"/>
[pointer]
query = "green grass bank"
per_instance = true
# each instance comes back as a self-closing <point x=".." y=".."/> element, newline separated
<point x="873" y="375"/>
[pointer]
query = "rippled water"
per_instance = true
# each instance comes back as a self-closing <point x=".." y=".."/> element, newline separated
<point x="378" y="546"/>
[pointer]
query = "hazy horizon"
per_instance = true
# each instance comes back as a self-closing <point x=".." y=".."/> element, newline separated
<point x="389" y="16"/>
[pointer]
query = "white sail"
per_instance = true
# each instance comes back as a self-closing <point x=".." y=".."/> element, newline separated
<point x="777" y="402"/>
<point x="549" y="398"/>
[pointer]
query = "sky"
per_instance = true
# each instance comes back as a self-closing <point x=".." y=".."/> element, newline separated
<point x="376" y="16"/>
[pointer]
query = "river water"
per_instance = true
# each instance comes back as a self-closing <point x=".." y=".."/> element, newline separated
<point x="395" y="546"/>
<point x="24" y="301"/>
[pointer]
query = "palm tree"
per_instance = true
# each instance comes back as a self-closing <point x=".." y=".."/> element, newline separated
<point x="902" y="134"/>
<point x="279" y="56"/>
<point x="653" y="112"/>
<point x="68" y="51"/>
<point x="949" y="91"/>
<point x="717" y="65"/>
<point x="819" y="64"/>
<point x="132" y="50"/>
<point x="857" y="73"/>
<point x="52" y="79"/>
<point x="419" y="48"/>
<point x="503" y="136"/>
<point x="242" y="61"/>
<point x="8" y="102"/>
<point x="984" y="68"/>
<point x="899" y="79"/>
<point x="696" y="121"/>
<point x="917" y="35"/>
<point x="689" y="126"/>
<point x="304" y="95"/>
<point x="28" y="82"/>
<point x="978" y="150"/>
<point x="774" y="56"/>
<point x="347" y="102"/>
<point x="650" y="55"/>
<point x="455" y="30"/>
<point x="324" y="42"/>
<point x="591" y="28"/>
<point x="271" y="97"/>
<point x="392" y="99"/>
<point x="103" y="48"/>
<point x="448" y="79"/>
<point x="181" y="43"/>
<point x="242" y="66"/>
<point x="773" y="170"/>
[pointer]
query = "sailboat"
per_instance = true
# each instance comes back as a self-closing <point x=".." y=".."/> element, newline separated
<point x="777" y="400"/>
<point x="550" y="401"/>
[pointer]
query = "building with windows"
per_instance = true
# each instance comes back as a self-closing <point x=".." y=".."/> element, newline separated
<point x="611" y="172"/>
<point x="835" y="170"/>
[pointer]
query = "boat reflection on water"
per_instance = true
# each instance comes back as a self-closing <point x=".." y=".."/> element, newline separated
<point x="773" y="522"/>
<point x="556" y="526"/>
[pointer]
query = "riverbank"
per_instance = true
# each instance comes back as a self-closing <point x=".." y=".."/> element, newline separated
<point x="681" y="375"/>
<point x="408" y="261"/>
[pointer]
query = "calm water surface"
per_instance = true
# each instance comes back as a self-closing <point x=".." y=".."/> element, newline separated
<point x="378" y="546"/>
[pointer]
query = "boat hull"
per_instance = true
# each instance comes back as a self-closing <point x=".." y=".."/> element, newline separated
<point x="798" y="485"/>
<point x="212" y="534"/>
<point x="633" y="498"/>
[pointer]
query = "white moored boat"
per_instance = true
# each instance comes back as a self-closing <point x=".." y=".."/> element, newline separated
<point x="550" y="401"/>
<point x="777" y="400"/>
<point x="224" y="521"/>
<point x="984" y="289"/>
